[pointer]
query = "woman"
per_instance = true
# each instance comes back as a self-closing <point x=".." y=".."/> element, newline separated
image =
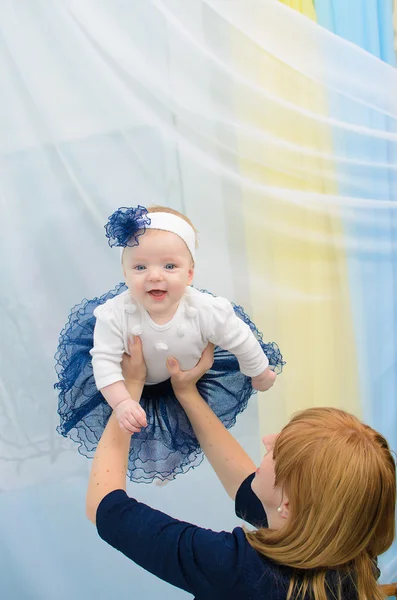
<point x="323" y="501"/>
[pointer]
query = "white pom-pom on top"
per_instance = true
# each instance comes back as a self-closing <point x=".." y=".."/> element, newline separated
<point x="161" y="347"/>
<point x="181" y="330"/>
<point x="191" y="312"/>
<point x="130" y="309"/>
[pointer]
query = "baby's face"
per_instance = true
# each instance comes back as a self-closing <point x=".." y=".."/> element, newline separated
<point x="157" y="272"/>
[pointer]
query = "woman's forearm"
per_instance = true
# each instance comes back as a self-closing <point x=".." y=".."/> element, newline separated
<point x="109" y="467"/>
<point x="228" y="459"/>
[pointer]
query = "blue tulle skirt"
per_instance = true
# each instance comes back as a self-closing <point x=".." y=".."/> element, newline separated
<point x="167" y="446"/>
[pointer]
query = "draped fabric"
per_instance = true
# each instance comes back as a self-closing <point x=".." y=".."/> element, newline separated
<point x="367" y="23"/>
<point x="395" y="23"/>
<point x="274" y="135"/>
<point x="373" y="278"/>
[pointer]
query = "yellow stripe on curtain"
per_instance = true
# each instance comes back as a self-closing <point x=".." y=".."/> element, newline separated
<point x="297" y="263"/>
<point x="306" y="7"/>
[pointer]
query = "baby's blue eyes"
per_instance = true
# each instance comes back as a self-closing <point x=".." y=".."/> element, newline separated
<point x="168" y="267"/>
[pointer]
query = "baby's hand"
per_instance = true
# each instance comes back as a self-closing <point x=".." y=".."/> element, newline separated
<point x="130" y="415"/>
<point x="264" y="381"/>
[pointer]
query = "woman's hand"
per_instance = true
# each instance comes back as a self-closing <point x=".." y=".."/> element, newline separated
<point x="133" y="365"/>
<point x="184" y="380"/>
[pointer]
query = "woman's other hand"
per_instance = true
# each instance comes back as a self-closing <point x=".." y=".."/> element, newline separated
<point x="183" y="380"/>
<point x="133" y="365"/>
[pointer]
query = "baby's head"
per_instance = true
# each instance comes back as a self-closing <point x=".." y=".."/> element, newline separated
<point x="158" y="262"/>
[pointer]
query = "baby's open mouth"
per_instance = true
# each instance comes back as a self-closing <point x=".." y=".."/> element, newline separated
<point x="158" y="294"/>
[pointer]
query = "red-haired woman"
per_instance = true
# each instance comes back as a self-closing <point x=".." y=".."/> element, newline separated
<point x="322" y="501"/>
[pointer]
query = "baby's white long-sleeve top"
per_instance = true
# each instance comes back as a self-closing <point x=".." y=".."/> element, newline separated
<point x="199" y="319"/>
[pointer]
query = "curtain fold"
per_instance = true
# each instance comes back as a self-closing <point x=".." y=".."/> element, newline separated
<point x="276" y="136"/>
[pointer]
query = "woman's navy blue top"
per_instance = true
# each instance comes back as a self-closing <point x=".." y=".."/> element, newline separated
<point x="209" y="565"/>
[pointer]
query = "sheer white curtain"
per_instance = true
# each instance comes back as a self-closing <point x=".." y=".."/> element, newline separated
<point x="106" y="103"/>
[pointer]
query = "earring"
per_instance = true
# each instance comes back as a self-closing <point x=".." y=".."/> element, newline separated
<point x="279" y="509"/>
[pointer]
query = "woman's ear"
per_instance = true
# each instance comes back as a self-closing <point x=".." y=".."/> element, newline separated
<point x="284" y="506"/>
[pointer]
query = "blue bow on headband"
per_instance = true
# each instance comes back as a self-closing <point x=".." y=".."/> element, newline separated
<point x="125" y="225"/>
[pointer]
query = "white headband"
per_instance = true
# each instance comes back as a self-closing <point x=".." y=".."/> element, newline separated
<point x="174" y="224"/>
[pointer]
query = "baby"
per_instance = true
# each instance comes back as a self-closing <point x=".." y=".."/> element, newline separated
<point x="171" y="317"/>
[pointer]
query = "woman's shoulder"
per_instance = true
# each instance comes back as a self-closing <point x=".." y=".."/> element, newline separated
<point x="257" y="576"/>
<point x="248" y="506"/>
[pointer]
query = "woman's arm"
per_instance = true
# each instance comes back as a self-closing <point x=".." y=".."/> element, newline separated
<point x="109" y="467"/>
<point x="199" y="561"/>
<point x="228" y="459"/>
